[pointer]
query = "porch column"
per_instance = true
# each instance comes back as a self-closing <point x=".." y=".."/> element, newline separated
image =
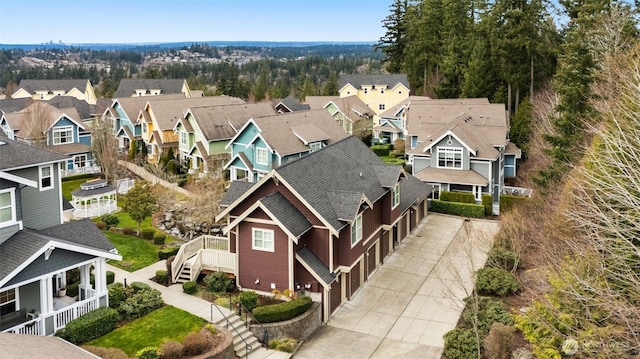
<point x="85" y="281"/>
<point x="46" y="295"/>
<point x="100" y="275"/>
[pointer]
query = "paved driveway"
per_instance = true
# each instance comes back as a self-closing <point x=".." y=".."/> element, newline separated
<point x="413" y="299"/>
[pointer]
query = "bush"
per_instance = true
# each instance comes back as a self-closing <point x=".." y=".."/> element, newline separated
<point x="158" y="238"/>
<point x="460" y="197"/>
<point x="496" y="281"/>
<point x="138" y="286"/>
<point x="461" y="343"/>
<point x="282" y="311"/>
<point x="165" y="253"/>
<point x="498" y="343"/>
<point x="500" y="257"/>
<point x="249" y="300"/>
<point x="101" y="226"/>
<point x="189" y="287"/>
<point x="111" y="277"/>
<point x="90" y="326"/>
<point x="489" y="311"/>
<point x="487" y="202"/>
<point x="218" y="282"/>
<point x="73" y="289"/>
<point x="162" y="276"/>
<point x="171" y="350"/>
<point x="106" y="353"/>
<point x="458" y="209"/>
<point x="129" y="231"/>
<point x="140" y="304"/>
<point x="147" y="353"/>
<point x="195" y="343"/>
<point x="147" y="233"/>
<point x="508" y="201"/>
<point x="117" y="295"/>
<point x="381" y="150"/>
<point x="287" y="345"/>
<point x="110" y="220"/>
<point x="211" y="328"/>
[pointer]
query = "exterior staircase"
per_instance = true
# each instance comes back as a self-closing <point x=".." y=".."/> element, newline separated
<point x="241" y="337"/>
<point x="185" y="272"/>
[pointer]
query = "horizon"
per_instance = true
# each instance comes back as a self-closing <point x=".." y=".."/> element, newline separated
<point x="167" y="21"/>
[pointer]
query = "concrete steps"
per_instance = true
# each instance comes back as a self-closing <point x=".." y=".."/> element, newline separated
<point x="241" y="336"/>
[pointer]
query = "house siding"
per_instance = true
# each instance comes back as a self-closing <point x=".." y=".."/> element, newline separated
<point x="420" y="163"/>
<point x="316" y="239"/>
<point x="454" y="143"/>
<point x="30" y="296"/>
<point x="40" y="209"/>
<point x="483" y="168"/>
<point x="256" y="264"/>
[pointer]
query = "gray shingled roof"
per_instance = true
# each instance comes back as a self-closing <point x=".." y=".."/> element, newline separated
<point x="127" y="87"/>
<point x="291" y="103"/>
<point x="286" y="213"/>
<point x="387" y="174"/>
<point x="412" y="191"/>
<point x="316" y="265"/>
<point x="31" y="86"/>
<point x="15" y="104"/>
<point x="83" y="193"/>
<point x="390" y="80"/>
<point x="235" y="190"/>
<point x="81" y="232"/>
<point x="14" y="154"/>
<point x="58" y="260"/>
<point x="85" y="109"/>
<point x="345" y="204"/>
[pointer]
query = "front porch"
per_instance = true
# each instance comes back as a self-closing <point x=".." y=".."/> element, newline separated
<point x="203" y="253"/>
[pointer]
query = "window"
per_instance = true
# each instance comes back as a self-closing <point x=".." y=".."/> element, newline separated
<point x="79" y="161"/>
<point x="315" y="146"/>
<point x="356" y="230"/>
<point x="381" y="106"/>
<point x="261" y="156"/>
<point x="450" y="157"/>
<point x="381" y="89"/>
<point x="366" y="90"/>
<point x="262" y="240"/>
<point x="46" y="177"/>
<point x="7" y="302"/>
<point x="7" y="210"/>
<point x="62" y="135"/>
<point x="144" y="127"/>
<point x="395" y="196"/>
<point x="183" y="138"/>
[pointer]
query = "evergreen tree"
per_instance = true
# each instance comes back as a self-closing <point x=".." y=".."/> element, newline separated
<point x="393" y="42"/>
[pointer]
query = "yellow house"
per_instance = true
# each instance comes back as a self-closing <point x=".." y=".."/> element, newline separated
<point x="48" y="89"/>
<point x="378" y="92"/>
<point x="152" y="87"/>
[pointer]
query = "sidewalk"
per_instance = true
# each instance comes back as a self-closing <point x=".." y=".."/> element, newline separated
<point x="173" y="295"/>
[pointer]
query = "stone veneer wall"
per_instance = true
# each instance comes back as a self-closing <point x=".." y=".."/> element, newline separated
<point x="298" y="328"/>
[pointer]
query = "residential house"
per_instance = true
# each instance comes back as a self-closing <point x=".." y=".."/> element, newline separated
<point x="351" y="113"/>
<point x="37" y="249"/>
<point x="48" y="89"/>
<point x="204" y="132"/>
<point x="378" y="92"/>
<point x="160" y="118"/>
<point x="461" y="146"/>
<point x="152" y="87"/>
<point x="289" y="104"/>
<point x="58" y="130"/>
<point x="321" y="225"/>
<point x="264" y="143"/>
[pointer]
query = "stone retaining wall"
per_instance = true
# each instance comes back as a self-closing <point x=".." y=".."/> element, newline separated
<point x="298" y="328"/>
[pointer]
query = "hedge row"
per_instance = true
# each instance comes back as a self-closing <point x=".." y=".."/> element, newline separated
<point x="461" y="197"/>
<point x="282" y="311"/>
<point x="508" y="201"/>
<point x="458" y="209"/>
<point x="90" y="326"/>
<point x="381" y="150"/>
<point x="165" y="253"/>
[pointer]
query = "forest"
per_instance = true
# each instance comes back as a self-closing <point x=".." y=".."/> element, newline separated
<point x="568" y="72"/>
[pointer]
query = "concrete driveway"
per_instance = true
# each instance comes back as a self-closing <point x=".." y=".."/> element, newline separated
<point x="413" y="299"/>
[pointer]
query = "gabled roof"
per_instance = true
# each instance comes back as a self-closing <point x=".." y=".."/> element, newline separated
<point x="475" y="138"/>
<point x="290" y="103"/>
<point x="315" y="266"/>
<point x="389" y="80"/>
<point x="346" y="204"/>
<point x="169" y="111"/>
<point x="128" y="87"/>
<point x="15" y="104"/>
<point x="318" y="102"/>
<point x="46" y="114"/>
<point x="287" y="214"/>
<point x="15" y="155"/>
<point x="388" y="175"/>
<point x="235" y="190"/>
<point x="31" y="86"/>
<point x="84" y="109"/>
<point x="223" y="122"/>
<point x="242" y="157"/>
<point x="417" y="101"/>
<point x="70" y="148"/>
<point x="413" y="191"/>
<point x="309" y="133"/>
<point x="133" y="105"/>
<point x="352" y="107"/>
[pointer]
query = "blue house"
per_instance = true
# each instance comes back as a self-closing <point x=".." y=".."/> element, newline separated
<point x="265" y="143"/>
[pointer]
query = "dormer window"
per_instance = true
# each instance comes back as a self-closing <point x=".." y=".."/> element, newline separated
<point x="46" y="177"/>
<point x="450" y="157"/>
<point x="314" y="146"/>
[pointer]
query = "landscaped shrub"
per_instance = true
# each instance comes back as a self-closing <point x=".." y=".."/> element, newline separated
<point x="211" y="328"/>
<point x="461" y="197"/>
<point x="489" y="311"/>
<point x="101" y="226"/>
<point x="508" y="201"/>
<point x="165" y="253"/>
<point x="129" y="231"/>
<point x="139" y="304"/>
<point x="249" y="300"/>
<point x="110" y="220"/>
<point x="111" y="277"/>
<point x="138" y="286"/>
<point x="162" y="276"/>
<point x="496" y="281"/>
<point x="282" y="311"/>
<point x="381" y="150"/>
<point x="287" y="345"/>
<point x="499" y="342"/>
<point x="461" y="343"/>
<point x="459" y="209"/>
<point x="147" y="233"/>
<point x="171" y="350"/>
<point x="106" y="353"/>
<point x="159" y="238"/>
<point x="147" y="353"/>
<point x="195" y="343"/>
<point x="218" y="282"/>
<point x="73" y="289"/>
<point x="90" y="326"/>
<point x="500" y="257"/>
<point x="117" y="294"/>
<point x="189" y="287"/>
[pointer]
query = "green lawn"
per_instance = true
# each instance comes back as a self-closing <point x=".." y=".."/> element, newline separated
<point x="166" y="323"/>
<point x="135" y="251"/>
<point x="127" y="222"/>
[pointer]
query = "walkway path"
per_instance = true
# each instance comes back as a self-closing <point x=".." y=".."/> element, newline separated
<point x="173" y="295"/>
<point x="413" y="299"/>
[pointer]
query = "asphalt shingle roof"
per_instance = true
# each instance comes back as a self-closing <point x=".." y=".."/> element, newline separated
<point x="286" y="213"/>
<point x="390" y="80"/>
<point x="235" y="190"/>
<point x="221" y="122"/>
<point x="128" y="87"/>
<point x="316" y="265"/>
<point x="31" y="86"/>
<point x="14" y="154"/>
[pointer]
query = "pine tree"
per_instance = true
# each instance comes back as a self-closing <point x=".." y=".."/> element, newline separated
<point x="393" y="42"/>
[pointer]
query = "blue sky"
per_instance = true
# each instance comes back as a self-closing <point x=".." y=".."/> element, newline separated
<point x="136" y="21"/>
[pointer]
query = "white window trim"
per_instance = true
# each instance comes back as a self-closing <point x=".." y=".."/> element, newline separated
<point x="449" y="151"/>
<point x="58" y="131"/>
<point x="395" y="196"/>
<point x="12" y="205"/>
<point x="253" y="240"/>
<point x="80" y="158"/>
<point x="265" y="152"/>
<point x="358" y="230"/>
<point x="14" y="300"/>
<point x="315" y="146"/>
<point x="40" y="177"/>
<point x="183" y="138"/>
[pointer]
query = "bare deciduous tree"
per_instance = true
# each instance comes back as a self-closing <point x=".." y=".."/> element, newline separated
<point x="105" y="149"/>
<point x="36" y="119"/>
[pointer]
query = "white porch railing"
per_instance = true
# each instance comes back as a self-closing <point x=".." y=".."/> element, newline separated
<point x="32" y="327"/>
<point x="211" y="252"/>
<point x="218" y="260"/>
<point x="185" y="252"/>
<point x="81" y="170"/>
<point x="96" y="209"/>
